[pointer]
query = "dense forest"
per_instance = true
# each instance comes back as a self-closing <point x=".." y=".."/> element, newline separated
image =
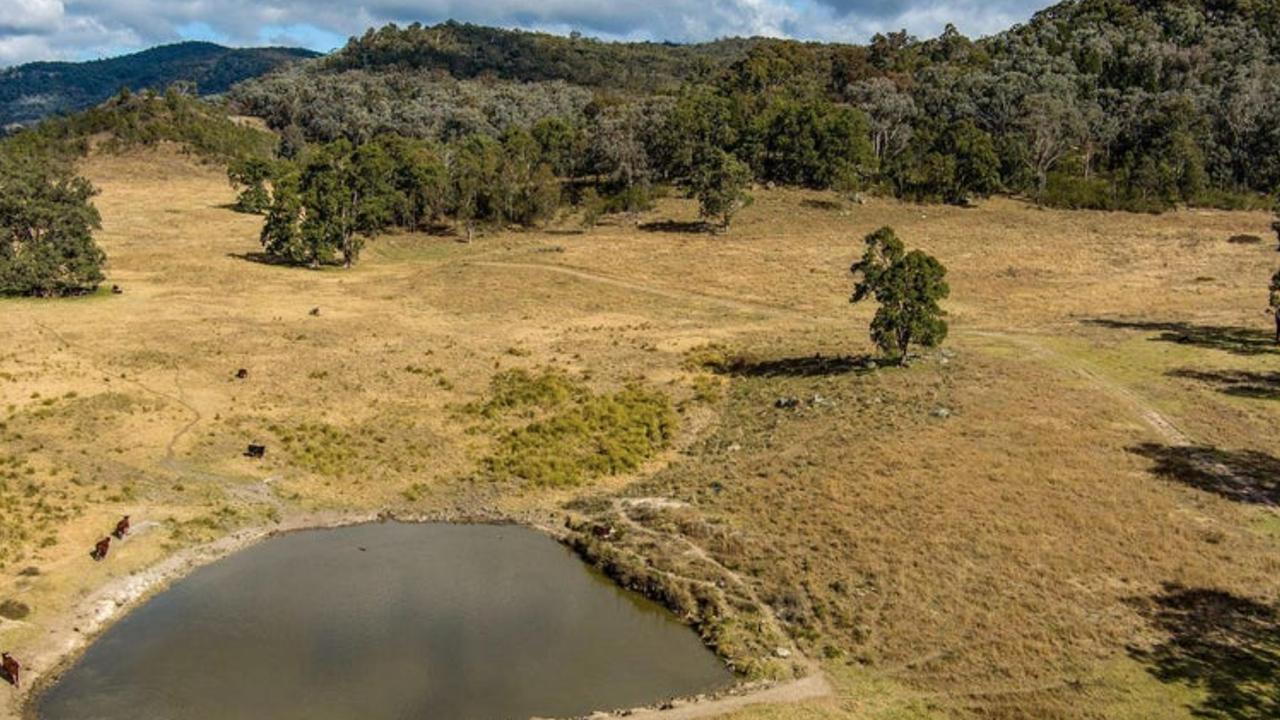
<point x="37" y="90"/>
<point x="1094" y="103"/>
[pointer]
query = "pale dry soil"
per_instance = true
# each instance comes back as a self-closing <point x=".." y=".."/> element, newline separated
<point x="1070" y="514"/>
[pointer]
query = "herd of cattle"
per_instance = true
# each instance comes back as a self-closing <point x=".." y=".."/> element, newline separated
<point x="10" y="668"/>
<point x="104" y="545"/>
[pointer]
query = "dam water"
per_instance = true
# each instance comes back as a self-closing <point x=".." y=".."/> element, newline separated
<point x="387" y="621"/>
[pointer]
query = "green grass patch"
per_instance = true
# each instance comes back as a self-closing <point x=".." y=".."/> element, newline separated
<point x="522" y="392"/>
<point x="580" y="436"/>
<point x="318" y="447"/>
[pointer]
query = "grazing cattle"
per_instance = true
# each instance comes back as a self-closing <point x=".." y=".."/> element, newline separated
<point x="100" y="550"/>
<point x="256" y="451"/>
<point x="117" y="290"/>
<point x="11" y="668"/>
<point x="602" y="531"/>
<point x="242" y="373"/>
<point x="122" y="528"/>
<point x="315" y="312"/>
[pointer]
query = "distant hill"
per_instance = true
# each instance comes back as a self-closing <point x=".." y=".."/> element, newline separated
<point x="466" y="51"/>
<point x="36" y="90"/>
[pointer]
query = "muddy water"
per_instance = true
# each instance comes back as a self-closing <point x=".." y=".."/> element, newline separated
<point x="387" y="621"/>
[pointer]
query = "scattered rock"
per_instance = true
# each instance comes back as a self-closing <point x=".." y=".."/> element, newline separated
<point x="942" y="412"/>
<point x="819" y="400"/>
<point x="734" y="447"/>
<point x="869" y="364"/>
<point x="782" y="652"/>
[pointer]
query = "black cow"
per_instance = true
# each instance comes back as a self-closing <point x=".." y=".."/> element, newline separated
<point x="256" y="451"/>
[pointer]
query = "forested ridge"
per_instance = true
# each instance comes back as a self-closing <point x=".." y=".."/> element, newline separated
<point x="40" y="89"/>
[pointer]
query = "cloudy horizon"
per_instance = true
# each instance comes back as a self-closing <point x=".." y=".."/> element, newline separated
<point x="32" y="30"/>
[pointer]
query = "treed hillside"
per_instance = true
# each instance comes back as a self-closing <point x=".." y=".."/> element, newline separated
<point x="1105" y="104"/>
<point x="467" y="51"/>
<point x="36" y="90"/>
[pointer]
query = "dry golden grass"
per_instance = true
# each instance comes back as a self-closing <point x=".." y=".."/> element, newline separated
<point x="1002" y="561"/>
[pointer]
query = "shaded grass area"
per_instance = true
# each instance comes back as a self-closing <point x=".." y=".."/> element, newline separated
<point x="1227" y="338"/>
<point x="1247" y="476"/>
<point x="1237" y="383"/>
<point x="1224" y="644"/>
<point x="722" y="361"/>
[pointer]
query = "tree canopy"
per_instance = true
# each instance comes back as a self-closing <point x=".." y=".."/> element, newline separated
<point x="46" y="226"/>
<point x="907" y="287"/>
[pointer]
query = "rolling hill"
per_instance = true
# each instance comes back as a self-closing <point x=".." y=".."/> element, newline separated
<point x="37" y="90"/>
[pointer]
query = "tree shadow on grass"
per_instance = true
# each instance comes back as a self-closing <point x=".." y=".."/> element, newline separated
<point x="1246" y="476"/>
<point x="676" y="226"/>
<point x="262" y="258"/>
<point x="1225" y="645"/>
<point x="1239" y="383"/>
<point x="814" y="366"/>
<point x="1232" y="339"/>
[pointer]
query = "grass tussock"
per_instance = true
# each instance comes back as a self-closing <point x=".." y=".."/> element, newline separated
<point x="318" y="447"/>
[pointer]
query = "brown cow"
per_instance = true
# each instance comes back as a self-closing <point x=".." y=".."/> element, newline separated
<point x="122" y="528"/>
<point x="100" y="550"/>
<point x="11" y="668"/>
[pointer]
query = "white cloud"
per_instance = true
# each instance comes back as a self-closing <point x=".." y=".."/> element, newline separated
<point x="29" y="16"/>
<point x="44" y="29"/>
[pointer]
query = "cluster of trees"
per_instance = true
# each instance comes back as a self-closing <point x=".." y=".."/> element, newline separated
<point x="1094" y="103"/>
<point x="46" y="214"/>
<point x="357" y="105"/>
<point x="46" y="225"/>
<point x="324" y="204"/>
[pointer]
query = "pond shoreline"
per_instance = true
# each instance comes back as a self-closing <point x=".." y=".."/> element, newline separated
<point x="71" y="634"/>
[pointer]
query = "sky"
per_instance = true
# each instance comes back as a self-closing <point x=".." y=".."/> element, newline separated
<point x="88" y="29"/>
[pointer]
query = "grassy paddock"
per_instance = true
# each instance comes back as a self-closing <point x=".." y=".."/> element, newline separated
<point x="1065" y="515"/>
